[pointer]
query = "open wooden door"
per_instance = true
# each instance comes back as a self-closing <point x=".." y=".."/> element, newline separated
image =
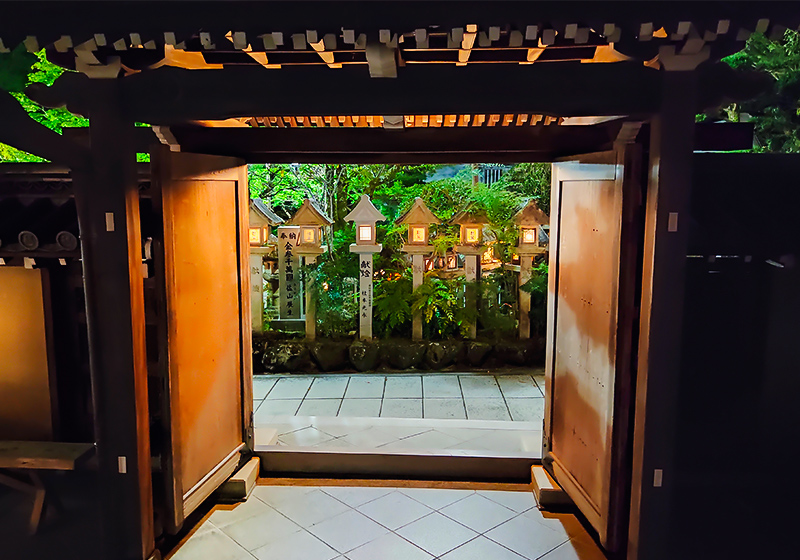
<point x="205" y="339"/>
<point x="594" y="253"/>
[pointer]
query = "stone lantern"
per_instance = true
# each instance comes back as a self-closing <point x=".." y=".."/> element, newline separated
<point x="365" y="215"/>
<point x="419" y="218"/>
<point x="307" y="224"/>
<point x="529" y="220"/>
<point x="472" y="221"/>
<point x="262" y="218"/>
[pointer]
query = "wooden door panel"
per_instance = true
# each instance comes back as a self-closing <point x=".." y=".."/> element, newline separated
<point x="584" y="367"/>
<point x="590" y="326"/>
<point x="206" y="344"/>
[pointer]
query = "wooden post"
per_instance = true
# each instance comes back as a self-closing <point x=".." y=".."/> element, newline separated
<point x="311" y="303"/>
<point x="525" y="262"/>
<point x="107" y="198"/>
<point x="257" y="291"/>
<point x="365" y="296"/>
<point x="417" y="273"/>
<point x="471" y="271"/>
<point x="665" y="244"/>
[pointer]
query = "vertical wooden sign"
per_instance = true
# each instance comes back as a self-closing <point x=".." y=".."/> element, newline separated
<point x="365" y="296"/>
<point x="289" y="270"/>
<point x="257" y="291"/>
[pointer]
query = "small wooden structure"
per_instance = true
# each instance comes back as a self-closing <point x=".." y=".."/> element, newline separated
<point x="365" y="215"/>
<point x="310" y="220"/>
<point x="472" y="221"/>
<point x="262" y="243"/>
<point x="419" y="219"/>
<point x="530" y="220"/>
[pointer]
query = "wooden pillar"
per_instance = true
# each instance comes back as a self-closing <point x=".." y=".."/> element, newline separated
<point x="417" y="274"/>
<point x="665" y="245"/>
<point x="257" y="291"/>
<point x="107" y="198"/>
<point x="311" y="302"/>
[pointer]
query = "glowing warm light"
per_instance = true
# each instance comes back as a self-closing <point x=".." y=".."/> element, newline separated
<point x="472" y="234"/>
<point x="417" y="234"/>
<point x="365" y="233"/>
<point x="529" y="235"/>
<point x="309" y="235"/>
<point x="487" y="255"/>
<point x="451" y="262"/>
<point x="266" y="234"/>
<point x="255" y="236"/>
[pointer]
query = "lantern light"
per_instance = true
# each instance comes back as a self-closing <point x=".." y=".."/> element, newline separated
<point x="309" y="236"/>
<point x="529" y="235"/>
<point x="472" y="234"/>
<point x="365" y="232"/>
<point x="255" y="236"/>
<point x="418" y="234"/>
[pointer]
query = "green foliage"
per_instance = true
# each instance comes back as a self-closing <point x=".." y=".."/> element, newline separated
<point x="529" y="180"/>
<point x="335" y="293"/>
<point x="391" y="305"/>
<point x="18" y="69"/>
<point x="441" y="302"/>
<point x="537" y="288"/>
<point x="498" y="308"/>
<point x="776" y="113"/>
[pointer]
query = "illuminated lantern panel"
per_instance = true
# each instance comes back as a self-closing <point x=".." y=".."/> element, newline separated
<point x="528" y="235"/>
<point x="255" y="236"/>
<point x="365" y="233"/>
<point x="309" y="236"/>
<point x="418" y="234"/>
<point x="472" y="234"/>
<point x="266" y="234"/>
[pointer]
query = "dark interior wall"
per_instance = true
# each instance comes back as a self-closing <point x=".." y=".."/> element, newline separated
<point x="738" y="426"/>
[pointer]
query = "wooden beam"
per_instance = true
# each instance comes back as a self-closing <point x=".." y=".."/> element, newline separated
<point x="173" y="95"/>
<point x="427" y="144"/>
<point x="107" y="199"/>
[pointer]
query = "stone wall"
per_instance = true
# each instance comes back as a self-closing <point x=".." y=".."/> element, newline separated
<point x="271" y="355"/>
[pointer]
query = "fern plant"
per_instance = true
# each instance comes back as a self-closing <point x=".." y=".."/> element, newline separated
<point x="392" y="305"/>
<point x="442" y="304"/>
<point x="537" y="288"/>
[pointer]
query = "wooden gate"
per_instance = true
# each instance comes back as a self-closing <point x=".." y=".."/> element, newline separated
<point x="594" y="252"/>
<point x="205" y="348"/>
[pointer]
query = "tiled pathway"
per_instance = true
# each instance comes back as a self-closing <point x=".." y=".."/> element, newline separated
<point x="388" y="523"/>
<point x="484" y="413"/>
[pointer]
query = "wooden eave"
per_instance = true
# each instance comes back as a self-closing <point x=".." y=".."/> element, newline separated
<point x="419" y="213"/>
<point x="261" y="208"/>
<point x="531" y="214"/>
<point x="470" y="215"/>
<point x="309" y="215"/>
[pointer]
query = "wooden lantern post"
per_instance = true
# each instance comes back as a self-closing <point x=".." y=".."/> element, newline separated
<point x="472" y="221"/>
<point x="310" y="220"/>
<point x="529" y="220"/>
<point x="365" y="215"/>
<point x="262" y="218"/>
<point x="418" y="218"/>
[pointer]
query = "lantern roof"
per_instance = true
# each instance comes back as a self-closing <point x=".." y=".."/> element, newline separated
<point x="471" y="214"/>
<point x="531" y="214"/>
<point x="309" y="214"/>
<point x="419" y="213"/>
<point x="263" y="211"/>
<point x="365" y="211"/>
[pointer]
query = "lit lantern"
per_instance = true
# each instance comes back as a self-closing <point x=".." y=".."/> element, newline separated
<point x="365" y="215"/>
<point x="262" y="218"/>
<point x="255" y="236"/>
<point x="311" y="221"/>
<point x="529" y="219"/>
<point x="419" y="218"/>
<point x="471" y="221"/>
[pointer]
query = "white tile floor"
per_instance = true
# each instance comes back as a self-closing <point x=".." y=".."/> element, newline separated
<point x="388" y="523"/>
<point x="490" y="413"/>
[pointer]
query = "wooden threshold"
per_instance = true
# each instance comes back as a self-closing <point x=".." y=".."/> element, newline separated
<point x="416" y="466"/>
